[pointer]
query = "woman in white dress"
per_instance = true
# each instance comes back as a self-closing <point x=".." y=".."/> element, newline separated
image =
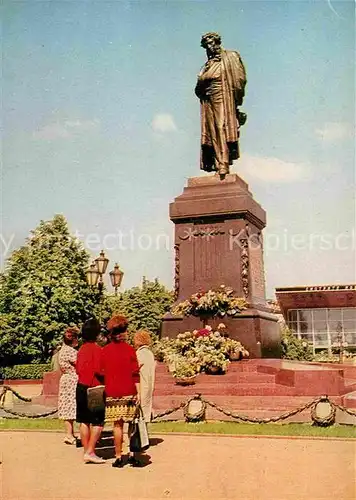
<point x="67" y="359"/>
<point x="146" y="360"/>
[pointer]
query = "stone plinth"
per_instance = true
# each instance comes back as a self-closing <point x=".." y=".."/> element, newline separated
<point x="218" y="240"/>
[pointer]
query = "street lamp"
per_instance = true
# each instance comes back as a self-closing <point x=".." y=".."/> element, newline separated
<point x="101" y="265"/>
<point x="116" y="277"/>
<point x="92" y="275"/>
<point x="95" y="275"/>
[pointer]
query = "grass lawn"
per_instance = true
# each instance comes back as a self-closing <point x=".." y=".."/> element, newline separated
<point x="341" y="431"/>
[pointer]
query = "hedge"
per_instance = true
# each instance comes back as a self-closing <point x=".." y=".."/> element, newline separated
<point x="19" y="372"/>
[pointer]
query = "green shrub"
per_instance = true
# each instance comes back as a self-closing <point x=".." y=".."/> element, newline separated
<point x="326" y="357"/>
<point x="28" y="372"/>
<point x="294" y="348"/>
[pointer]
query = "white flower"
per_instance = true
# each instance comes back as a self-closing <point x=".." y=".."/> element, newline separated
<point x="221" y="326"/>
<point x="208" y="328"/>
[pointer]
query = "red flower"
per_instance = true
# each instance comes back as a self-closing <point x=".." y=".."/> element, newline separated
<point x="203" y="332"/>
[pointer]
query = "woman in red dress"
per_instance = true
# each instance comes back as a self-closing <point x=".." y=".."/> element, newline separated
<point x="122" y="383"/>
<point x="89" y="375"/>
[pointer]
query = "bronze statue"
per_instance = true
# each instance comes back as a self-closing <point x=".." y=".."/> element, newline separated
<point x="220" y="88"/>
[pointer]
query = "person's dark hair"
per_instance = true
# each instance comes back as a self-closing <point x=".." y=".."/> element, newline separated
<point x="90" y="330"/>
<point x="116" y="325"/>
<point x="70" y="335"/>
<point x="210" y="34"/>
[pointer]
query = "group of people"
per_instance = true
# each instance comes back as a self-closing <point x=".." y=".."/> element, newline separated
<point x="127" y="373"/>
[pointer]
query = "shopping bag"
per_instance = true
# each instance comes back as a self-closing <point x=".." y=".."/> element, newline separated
<point x="142" y="429"/>
<point x="135" y="440"/>
<point x="139" y="440"/>
<point x="96" y="400"/>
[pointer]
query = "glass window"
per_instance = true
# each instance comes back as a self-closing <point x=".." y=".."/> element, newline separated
<point x="335" y="337"/>
<point x="305" y="321"/>
<point x="350" y="338"/>
<point x="320" y="326"/>
<point x="321" y="340"/>
<point x="307" y="336"/>
<point x="349" y="313"/>
<point x="292" y="315"/>
<point x="350" y="326"/>
<point x="334" y="315"/>
<point x="319" y="314"/>
<point x="293" y="326"/>
<point x="335" y="326"/>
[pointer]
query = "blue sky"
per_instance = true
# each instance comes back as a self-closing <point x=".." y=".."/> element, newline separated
<point x="101" y="124"/>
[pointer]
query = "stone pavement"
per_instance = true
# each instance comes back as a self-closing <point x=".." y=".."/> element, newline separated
<point x="37" y="465"/>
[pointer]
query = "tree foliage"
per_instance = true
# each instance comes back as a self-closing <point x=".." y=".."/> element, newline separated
<point x="43" y="290"/>
<point x="143" y="305"/>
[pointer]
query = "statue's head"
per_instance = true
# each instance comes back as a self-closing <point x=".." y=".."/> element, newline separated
<point x="210" y="38"/>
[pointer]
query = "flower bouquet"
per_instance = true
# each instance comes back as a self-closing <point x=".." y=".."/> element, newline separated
<point x="212" y="303"/>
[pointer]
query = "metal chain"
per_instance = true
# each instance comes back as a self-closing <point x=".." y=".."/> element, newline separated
<point x="171" y="410"/>
<point x="29" y="415"/>
<point x="244" y="418"/>
<point x="15" y="393"/>
<point x="343" y="408"/>
<point x="22" y="398"/>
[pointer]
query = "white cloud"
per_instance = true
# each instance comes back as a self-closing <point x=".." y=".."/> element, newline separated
<point x="335" y="131"/>
<point x="272" y="169"/>
<point x="65" y="130"/>
<point x="163" y="122"/>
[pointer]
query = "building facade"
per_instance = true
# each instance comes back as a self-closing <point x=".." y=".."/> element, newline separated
<point x="324" y="315"/>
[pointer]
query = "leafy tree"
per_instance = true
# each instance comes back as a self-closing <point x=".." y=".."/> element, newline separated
<point x="42" y="291"/>
<point x="143" y="305"/>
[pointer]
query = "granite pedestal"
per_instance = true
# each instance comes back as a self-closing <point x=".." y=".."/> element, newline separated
<point x="218" y="240"/>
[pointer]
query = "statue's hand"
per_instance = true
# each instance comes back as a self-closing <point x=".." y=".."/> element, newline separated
<point x="241" y="117"/>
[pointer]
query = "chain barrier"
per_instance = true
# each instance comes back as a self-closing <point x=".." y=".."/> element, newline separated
<point x="171" y="410"/>
<point x="256" y="420"/>
<point x="184" y="404"/>
<point x="346" y="410"/>
<point x="7" y="388"/>
<point x="28" y="415"/>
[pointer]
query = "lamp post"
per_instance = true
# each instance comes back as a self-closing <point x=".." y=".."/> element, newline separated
<point x="95" y="275"/>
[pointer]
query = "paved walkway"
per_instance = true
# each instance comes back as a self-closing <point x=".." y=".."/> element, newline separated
<point x="36" y="465"/>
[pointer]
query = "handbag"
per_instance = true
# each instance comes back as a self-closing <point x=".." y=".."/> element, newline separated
<point x="139" y="440"/>
<point x="95" y="397"/>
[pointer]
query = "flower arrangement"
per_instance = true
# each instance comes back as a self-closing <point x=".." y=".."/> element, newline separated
<point x="211" y="303"/>
<point x="201" y="350"/>
<point x="184" y="368"/>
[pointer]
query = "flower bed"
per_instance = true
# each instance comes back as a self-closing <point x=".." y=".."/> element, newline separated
<point x="201" y="350"/>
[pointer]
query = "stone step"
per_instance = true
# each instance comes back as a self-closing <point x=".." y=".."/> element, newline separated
<point x="349" y="400"/>
<point x="251" y="389"/>
<point x="228" y="378"/>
